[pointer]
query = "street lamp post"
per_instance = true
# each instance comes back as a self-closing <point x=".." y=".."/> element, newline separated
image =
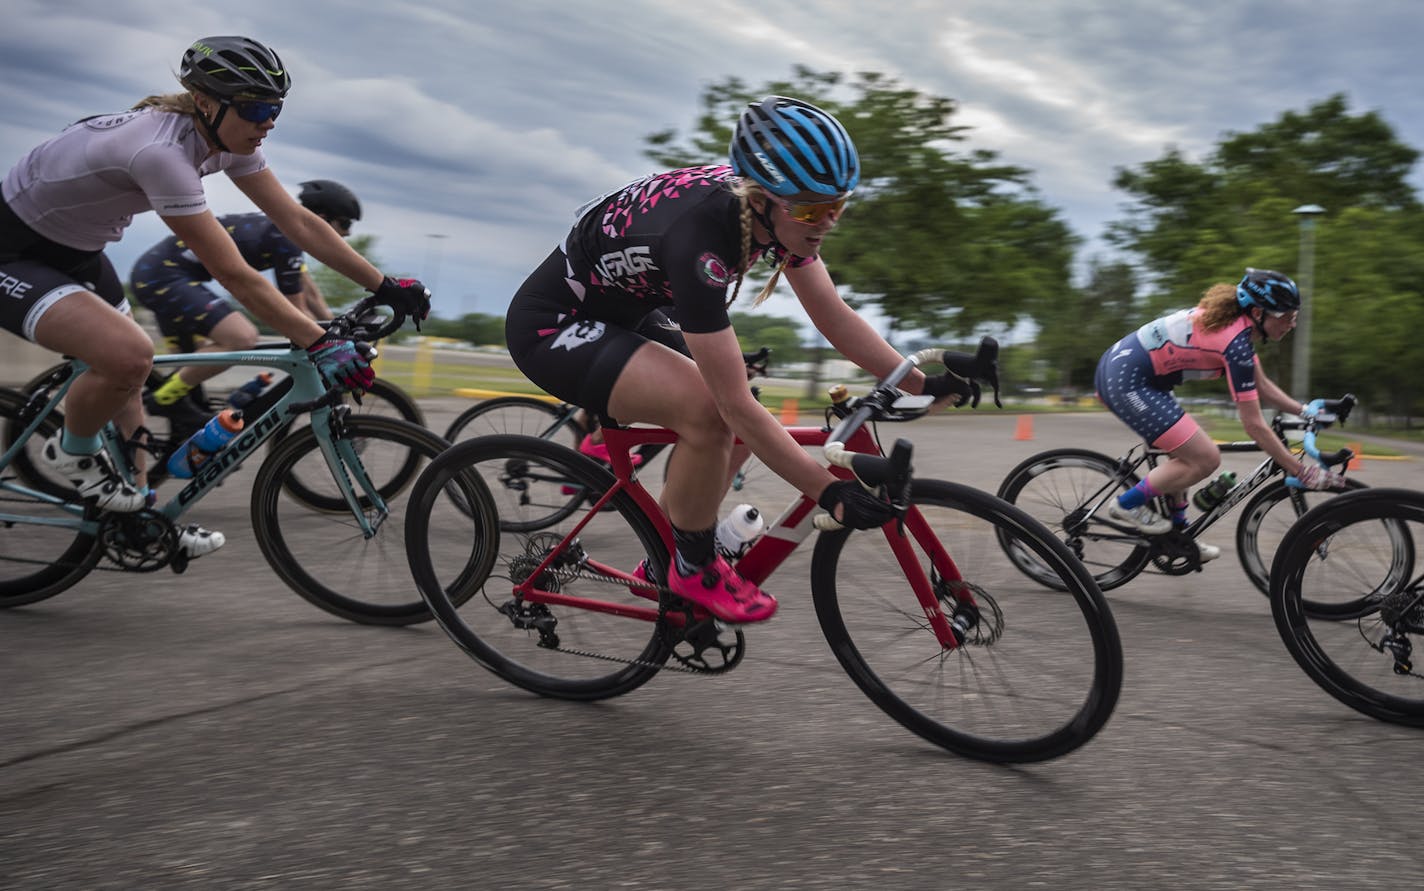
<point x="434" y="249"/>
<point x="1300" y="367"/>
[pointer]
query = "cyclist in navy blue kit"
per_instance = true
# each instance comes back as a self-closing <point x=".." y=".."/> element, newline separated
<point x="78" y="191"/>
<point x="588" y="327"/>
<point x="171" y="282"/>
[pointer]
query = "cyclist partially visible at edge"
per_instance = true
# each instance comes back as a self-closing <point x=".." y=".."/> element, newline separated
<point x="79" y="190"/>
<point x="1136" y="375"/>
<point x="587" y="325"/>
<point x="170" y="281"/>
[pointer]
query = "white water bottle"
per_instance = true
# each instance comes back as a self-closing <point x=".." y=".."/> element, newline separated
<point x="737" y="531"/>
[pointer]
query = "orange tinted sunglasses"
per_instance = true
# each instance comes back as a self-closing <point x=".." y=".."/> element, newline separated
<point x="813" y="212"/>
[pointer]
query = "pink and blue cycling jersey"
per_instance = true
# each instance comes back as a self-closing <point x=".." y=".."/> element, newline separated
<point x="1136" y="375"/>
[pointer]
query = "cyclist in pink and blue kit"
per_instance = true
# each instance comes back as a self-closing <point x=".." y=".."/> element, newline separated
<point x="588" y="325"/>
<point x="1215" y="338"/>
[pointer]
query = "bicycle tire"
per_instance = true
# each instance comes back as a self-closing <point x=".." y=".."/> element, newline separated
<point x="1266" y="519"/>
<point x="1051" y="667"/>
<point x="1360" y="544"/>
<point x="523" y="415"/>
<point x="39" y="559"/>
<point x="323" y="555"/>
<point x="1053" y="487"/>
<point x="574" y="653"/>
<point x="383" y="400"/>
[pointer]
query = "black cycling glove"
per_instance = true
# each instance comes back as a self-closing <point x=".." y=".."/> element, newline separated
<point x="948" y="384"/>
<point x="860" y="508"/>
<point x="405" y="294"/>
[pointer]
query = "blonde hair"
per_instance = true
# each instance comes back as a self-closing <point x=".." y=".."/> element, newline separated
<point x="744" y="189"/>
<point x="1218" y="307"/>
<point x="182" y="103"/>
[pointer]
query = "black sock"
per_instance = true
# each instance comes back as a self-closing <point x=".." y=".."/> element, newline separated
<point x="694" y="549"/>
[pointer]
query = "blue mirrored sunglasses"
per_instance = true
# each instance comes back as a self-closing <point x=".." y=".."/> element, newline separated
<point x="255" y="111"/>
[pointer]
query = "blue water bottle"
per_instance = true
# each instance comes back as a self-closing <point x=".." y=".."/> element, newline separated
<point x="250" y="390"/>
<point x="216" y="433"/>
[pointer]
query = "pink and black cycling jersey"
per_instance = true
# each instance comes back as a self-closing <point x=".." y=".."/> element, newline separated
<point x="671" y="239"/>
<point x="1178" y="349"/>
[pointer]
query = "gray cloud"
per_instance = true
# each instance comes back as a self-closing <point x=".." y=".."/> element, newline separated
<point x="489" y="124"/>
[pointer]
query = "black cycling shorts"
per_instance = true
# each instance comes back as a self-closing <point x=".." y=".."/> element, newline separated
<point x="575" y="358"/>
<point x="184" y="309"/>
<point x="36" y="273"/>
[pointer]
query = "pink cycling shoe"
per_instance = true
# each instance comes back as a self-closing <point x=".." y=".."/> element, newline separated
<point x="724" y="593"/>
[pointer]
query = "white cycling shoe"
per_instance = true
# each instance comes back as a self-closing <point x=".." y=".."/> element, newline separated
<point x="195" y="541"/>
<point x="1142" y="518"/>
<point x="94" y="477"/>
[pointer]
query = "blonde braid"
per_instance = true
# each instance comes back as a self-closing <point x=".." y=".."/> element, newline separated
<point x="742" y="189"/>
<point x="744" y="261"/>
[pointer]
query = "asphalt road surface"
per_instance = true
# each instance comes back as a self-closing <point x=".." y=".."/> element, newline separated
<point x="213" y="730"/>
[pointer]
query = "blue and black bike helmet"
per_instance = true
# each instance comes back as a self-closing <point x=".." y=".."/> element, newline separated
<point x="1269" y="290"/>
<point x="794" y="150"/>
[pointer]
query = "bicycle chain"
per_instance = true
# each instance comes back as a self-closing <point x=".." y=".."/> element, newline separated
<point x="663" y="630"/>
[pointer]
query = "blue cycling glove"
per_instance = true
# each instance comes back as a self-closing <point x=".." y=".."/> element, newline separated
<point x="338" y="360"/>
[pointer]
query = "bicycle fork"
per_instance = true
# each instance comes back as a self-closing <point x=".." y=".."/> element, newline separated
<point x="943" y="586"/>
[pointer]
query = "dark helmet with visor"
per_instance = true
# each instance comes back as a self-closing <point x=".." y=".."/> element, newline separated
<point x="234" y="68"/>
<point x="794" y="150"/>
<point x="1269" y="290"/>
<point x="330" y="199"/>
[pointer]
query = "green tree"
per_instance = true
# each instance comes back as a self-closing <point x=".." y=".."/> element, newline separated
<point x="1190" y="225"/>
<point x="782" y="335"/>
<point x="941" y="238"/>
<point x="339" y="291"/>
<point x="1077" y="325"/>
<point x="480" y="329"/>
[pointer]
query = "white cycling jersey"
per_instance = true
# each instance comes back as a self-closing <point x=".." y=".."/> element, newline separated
<point x="82" y="187"/>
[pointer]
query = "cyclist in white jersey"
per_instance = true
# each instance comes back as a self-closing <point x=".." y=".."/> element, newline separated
<point x="78" y="191"/>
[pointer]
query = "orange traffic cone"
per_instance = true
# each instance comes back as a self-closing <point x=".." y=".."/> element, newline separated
<point x="789" y="412"/>
<point x="1024" y="430"/>
<point x="1355" y="462"/>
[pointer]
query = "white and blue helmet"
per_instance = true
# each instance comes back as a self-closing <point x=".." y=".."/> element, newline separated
<point x="794" y="150"/>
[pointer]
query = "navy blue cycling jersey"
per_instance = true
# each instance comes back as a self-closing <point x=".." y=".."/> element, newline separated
<point x="672" y="239"/>
<point x="261" y="243"/>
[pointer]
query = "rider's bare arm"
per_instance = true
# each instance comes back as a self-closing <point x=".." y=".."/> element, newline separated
<point x="719" y="360"/>
<point x="215" y="249"/>
<point x="851" y="335"/>
<point x="307" y="230"/>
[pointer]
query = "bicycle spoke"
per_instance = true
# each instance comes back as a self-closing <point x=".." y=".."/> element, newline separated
<point x="1038" y="673"/>
<point x="1348" y="600"/>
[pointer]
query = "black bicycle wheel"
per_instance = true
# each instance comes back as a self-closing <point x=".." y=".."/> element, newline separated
<point x="43" y="549"/>
<point x="1039" y="673"/>
<point x="1266" y="519"/>
<point x="323" y="555"/>
<point x="561" y="650"/>
<point x="383" y="400"/>
<point x="521" y="415"/>
<point x="1357" y="548"/>
<point x="1068" y="490"/>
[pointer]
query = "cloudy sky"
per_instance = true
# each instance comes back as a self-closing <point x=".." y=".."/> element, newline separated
<point x="471" y="130"/>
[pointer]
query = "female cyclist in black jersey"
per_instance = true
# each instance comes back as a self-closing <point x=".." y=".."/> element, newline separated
<point x="78" y="191"/>
<point x="171" y="282"/>
<point x="587" y="325"/>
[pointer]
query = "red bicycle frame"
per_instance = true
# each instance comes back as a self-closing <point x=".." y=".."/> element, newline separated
<point x="782" y="536"/>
